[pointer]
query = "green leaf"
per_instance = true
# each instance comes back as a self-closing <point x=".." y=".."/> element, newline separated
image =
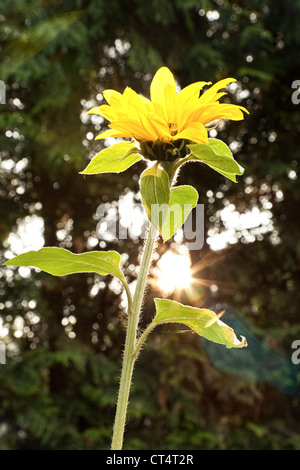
<point x="204" y="322"/>
<point x="155" y="193"/>
<point x="60" y="262"/>
<point x="114" y="159"/>
<point x="219" y="147"/>
<point x="218" y="156"/>
<point x="182" y="201"/>
<point x="230" y="176"/>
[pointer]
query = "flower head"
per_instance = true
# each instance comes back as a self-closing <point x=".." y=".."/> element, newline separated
<point x="169" y="118"/>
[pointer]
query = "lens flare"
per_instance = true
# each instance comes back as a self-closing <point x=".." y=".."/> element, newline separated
<point x="175" y="275"/>
<point x="174" y="272"/>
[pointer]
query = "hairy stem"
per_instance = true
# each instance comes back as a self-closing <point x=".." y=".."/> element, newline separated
<point x="130" y="343"/>
<point x="142" y="338"/>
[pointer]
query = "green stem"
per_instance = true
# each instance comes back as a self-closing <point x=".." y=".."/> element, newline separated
<point x="178" y="164"/>
<point x="142" y="338"/>
<point x="144" y="335"/>
<point x="130" y="343"/>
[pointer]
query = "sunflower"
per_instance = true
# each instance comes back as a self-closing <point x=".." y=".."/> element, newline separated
<point x="169" y="116"/>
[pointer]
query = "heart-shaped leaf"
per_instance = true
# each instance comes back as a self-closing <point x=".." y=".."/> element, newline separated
<point x="182" y="200"/>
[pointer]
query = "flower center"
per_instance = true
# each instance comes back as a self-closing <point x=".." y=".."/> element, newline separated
<point x="173" y="128"/>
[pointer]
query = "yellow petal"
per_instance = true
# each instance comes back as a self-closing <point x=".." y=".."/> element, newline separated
<point x="162" y="78"/>
<point x="170" y="101"/>
<point x="219" y="95"/>
<point x="160" y="125"/>
<point x="195" y="132"/>
<point x="133" y="105"/>
<point x="132" y="115"/>
<point x="144" y="99"/>
<point x="191" y="91"/>
<point x="109" y="133"/>
<point x="186" y="113"/>
<point x="106" y="111"/>
<point x="221" y="111"/>
<point x="95" y="110"/>
<point x="110" y="95"/>
<point x="149" y="128"/>
<point x="211" y="93"/>
<point x="187" y="101"/>
<point x="163" y="90"/>
<point x="132" y="128"/>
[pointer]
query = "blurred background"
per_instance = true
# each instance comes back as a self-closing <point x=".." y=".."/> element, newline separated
<point x="64" y="336"/>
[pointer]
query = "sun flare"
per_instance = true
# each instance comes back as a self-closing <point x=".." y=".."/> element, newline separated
<point x="174" y="272"/>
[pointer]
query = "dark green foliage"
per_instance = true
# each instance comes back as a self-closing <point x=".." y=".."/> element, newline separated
<point x="59" y="391"/>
